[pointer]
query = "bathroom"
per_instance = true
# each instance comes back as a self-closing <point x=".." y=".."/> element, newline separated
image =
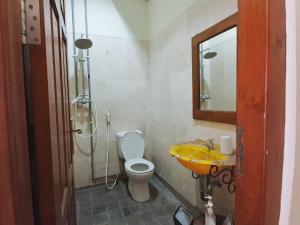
<point x="149" y="112"/>
<point x="140" y="66"/>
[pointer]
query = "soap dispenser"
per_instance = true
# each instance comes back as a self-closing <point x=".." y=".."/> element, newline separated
<point x="210" y="218"/>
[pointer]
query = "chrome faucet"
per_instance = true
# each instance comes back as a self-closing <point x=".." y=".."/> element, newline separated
<point x="210" y="144"/>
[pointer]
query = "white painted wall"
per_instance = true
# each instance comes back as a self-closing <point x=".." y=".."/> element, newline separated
<point x="290" y="198"/>
<point x="112" y="18"/>
<point x="170" y="100"/>
<point x="128" y="18"/>
<point x="163" y="12"/>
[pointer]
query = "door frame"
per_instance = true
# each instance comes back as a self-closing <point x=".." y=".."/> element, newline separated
<point x="53" y="182"/>
<point x="15" y="183"/>
<point x="261" y="97"/>
<point x="263" y="60"/>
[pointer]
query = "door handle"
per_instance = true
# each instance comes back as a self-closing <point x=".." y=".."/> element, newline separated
<point x="79" y="131"/>
<point x="240" y="150"/>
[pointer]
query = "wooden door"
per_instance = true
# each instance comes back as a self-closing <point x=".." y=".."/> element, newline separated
<point x="261" y="110"/>
<point x="53" y="149"/>
<point x="15" y="184"/>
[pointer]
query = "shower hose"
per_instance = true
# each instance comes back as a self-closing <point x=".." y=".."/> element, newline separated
<point x="108" y="115"/>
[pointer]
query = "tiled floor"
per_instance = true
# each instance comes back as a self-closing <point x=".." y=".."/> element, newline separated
<point x="95" y="206"/>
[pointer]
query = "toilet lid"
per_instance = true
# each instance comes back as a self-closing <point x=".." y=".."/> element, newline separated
<point x="132" y="146"/>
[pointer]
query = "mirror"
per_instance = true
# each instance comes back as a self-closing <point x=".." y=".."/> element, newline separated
<point x="218" y="72"/>
<point x="214" y="72"/>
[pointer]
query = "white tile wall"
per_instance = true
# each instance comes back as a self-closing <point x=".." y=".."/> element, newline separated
<point x="120" y="84"/>
<point x="170" y="92"/>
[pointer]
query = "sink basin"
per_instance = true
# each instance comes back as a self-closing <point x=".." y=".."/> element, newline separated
<point x="199" y="159"/>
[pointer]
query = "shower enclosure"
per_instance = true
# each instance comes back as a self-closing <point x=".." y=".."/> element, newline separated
<point x="84" y="99"/>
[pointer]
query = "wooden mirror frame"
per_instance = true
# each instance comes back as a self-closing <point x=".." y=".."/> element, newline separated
<point x="198" y="113"/>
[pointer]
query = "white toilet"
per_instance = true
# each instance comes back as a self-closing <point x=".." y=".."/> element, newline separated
<point x="131" y="146"/>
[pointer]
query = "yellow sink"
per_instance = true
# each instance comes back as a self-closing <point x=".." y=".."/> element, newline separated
<point x="199" y="159"/>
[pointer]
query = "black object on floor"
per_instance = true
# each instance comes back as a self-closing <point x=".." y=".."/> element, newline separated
<point x="183" y="216"/>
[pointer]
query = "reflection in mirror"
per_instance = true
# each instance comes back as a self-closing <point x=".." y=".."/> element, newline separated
<point x="217" y="58"/>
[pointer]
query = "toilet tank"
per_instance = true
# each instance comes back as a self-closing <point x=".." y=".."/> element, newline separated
<point x="119" y="138"/>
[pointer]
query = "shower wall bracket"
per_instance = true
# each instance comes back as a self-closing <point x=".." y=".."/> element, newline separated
<point x="31" y="30"/>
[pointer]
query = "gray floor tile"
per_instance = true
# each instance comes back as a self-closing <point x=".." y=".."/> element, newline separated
<point x="97" y="195"/>
<point x="126" y="211"/>
<point x="99" y="188"/>
<point x="125" y="202"/>
<point x="86" y="221"/>
<point x="85" y="213"/>
<point x="166" y="220"/>
<point x="96" y="202"/>
<point x="83" y="203"/>
<point x="112" y="206"/>
<point x="136" y="209"/>
<point x="116" y="217"/>
<point x="134" y="220"/>
<point x="99" y="209"/>
<point x="101" y="219"/>
<point x="109" y="198"/>
<point x="82" y="192"/>
<point x="115" y="214"/>
<point x="96" y="206"/>
<point x="151" y="222"/>
<point x="117" y="222"/>
<point x="149" y="216"/>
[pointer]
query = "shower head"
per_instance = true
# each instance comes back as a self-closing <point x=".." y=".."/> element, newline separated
<point x="210" y="55"/>
<point x="83" y="43"/>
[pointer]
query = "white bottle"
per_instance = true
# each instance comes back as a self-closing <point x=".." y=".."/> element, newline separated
<point x="210" y="218"/>
<point x="226" y="145"/>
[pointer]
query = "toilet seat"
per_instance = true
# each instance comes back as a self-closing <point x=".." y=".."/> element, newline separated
<point x="139" y="166"/>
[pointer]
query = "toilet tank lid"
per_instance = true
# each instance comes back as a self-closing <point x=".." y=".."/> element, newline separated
<point x="124" y="133"/>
